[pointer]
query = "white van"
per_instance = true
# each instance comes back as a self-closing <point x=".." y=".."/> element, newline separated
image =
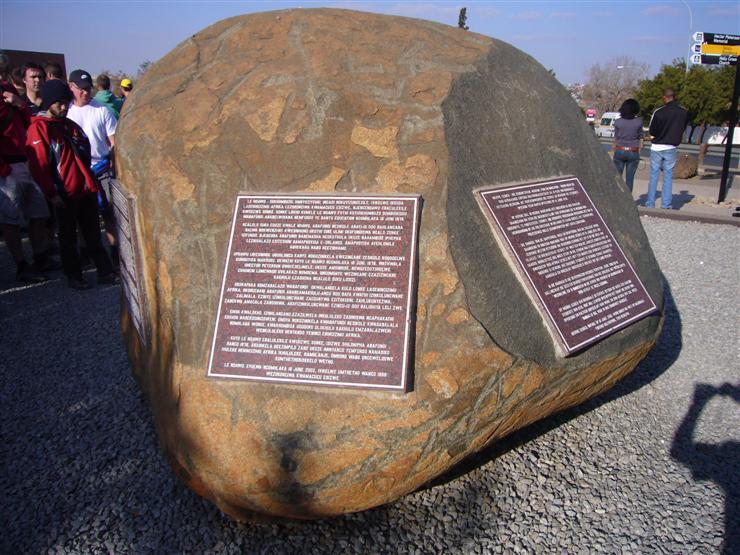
<point x="605" y="128"/>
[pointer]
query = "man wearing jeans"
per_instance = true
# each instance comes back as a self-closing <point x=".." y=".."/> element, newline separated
<point x="666" y="129"/>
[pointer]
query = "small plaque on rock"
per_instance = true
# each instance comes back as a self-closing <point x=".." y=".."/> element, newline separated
<point x="318" y="289"/>
<point x="567" y="258"/>
<point x="124" y="207"/>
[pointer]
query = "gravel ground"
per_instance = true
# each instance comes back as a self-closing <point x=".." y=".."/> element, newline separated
<point x="652" y="466"/>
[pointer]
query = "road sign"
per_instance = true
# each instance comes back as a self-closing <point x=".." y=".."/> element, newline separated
<point x="715" y="48"/>
<point x="721" y="38"/>
<point x="721" y="60"/>
<point x="720" y="49"/>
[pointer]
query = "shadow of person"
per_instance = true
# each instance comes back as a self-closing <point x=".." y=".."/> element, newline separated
<point x="717" y="462"/>
<point x="677" y="200"/>
<point x="681" y="198"/>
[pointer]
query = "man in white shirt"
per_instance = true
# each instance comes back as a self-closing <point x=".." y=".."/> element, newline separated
<point x="99" y="125"/>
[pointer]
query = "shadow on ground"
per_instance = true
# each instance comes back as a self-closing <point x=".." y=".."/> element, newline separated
<point x="710" y="461"/>
<point x="677" y="201"/>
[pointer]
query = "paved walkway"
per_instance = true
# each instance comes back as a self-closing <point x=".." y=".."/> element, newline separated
<point x="693" y="199"/>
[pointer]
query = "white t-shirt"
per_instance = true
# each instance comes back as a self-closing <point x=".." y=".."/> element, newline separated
<point x="98" y="123"/>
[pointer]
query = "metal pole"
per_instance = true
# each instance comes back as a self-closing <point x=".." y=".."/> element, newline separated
<point x="691" y="27"/>
<point x="730" y="134"/>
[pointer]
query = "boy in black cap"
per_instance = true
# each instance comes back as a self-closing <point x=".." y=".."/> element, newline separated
<point x="59" y="158"/>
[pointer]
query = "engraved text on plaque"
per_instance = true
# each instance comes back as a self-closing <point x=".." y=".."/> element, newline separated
<point x="567" y="258"/>
<point x="318" y="289"/>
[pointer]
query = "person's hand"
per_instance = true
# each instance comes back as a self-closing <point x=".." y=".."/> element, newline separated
<point x="12" y="99"/>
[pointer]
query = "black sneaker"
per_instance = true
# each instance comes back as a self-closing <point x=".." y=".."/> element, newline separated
<point x="78" y="283"/>
<point x="110" y="279"/>
<point x="26" y="274"/>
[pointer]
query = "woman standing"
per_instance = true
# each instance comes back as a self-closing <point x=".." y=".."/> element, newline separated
<point x="627" y="138"/>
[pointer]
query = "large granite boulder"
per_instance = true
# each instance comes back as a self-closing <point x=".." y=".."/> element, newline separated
<point x="335" y="100"/>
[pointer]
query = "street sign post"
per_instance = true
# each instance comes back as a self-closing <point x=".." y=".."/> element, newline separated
<point x="722" y="49"/>
<point x="715" y="48"/>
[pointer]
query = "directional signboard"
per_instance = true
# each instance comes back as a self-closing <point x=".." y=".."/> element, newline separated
<point x="715" y="48"/>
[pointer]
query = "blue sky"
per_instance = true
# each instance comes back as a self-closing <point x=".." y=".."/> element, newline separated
<point x="567" y="37"/>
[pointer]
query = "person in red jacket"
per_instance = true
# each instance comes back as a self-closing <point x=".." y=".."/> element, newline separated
<point x="59" y="158"/>
<point x="21" y="200"/>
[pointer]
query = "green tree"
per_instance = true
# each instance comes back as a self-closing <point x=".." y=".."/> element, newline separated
<point x="650" y="91"/>
<point x="704" y="91"/>
<point x="143" y="66"/>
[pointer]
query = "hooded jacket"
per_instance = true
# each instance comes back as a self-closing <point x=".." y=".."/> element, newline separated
<point x="110" y="101"/>
<point x="59" y="157"/>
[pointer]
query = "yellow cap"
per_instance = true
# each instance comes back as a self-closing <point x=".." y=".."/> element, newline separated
<point x="126" y="83"/>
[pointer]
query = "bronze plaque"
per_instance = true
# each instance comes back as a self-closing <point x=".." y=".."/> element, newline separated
<point x="318" y="289"/>
<point x="124" y="207"/>
<point x="567" y="259"/>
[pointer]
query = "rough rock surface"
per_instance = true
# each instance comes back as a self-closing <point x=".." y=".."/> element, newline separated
<point x="333" y="100"/>
<point x="686" y="167"/>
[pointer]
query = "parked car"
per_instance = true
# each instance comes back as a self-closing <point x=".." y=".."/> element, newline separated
<point x="605" y="128"/>
<point x="718" y="136"/>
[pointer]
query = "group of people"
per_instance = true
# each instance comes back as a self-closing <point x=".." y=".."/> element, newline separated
<point x="56" y="167"/>
<point x="56" y="164"/>
<point x="666" y="129"/>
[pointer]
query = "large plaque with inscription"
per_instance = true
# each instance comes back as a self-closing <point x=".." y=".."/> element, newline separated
<point x="124" y="207"/>
<point x="318" y="289"/>
<point x="567" y="258"/>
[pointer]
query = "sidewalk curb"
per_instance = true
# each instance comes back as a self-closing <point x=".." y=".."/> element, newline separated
<point x="688" y="216"/>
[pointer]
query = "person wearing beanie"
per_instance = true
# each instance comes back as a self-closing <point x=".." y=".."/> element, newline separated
<point x="59" y="158"/>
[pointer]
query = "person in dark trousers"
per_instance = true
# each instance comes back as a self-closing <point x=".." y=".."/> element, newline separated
<point x="666" y="131"/>
<point x="627" y="139"/>
<point x="59" y="158"/>
<point x="99" y="124"/>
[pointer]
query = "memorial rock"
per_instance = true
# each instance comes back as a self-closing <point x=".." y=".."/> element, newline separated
<point x="342" y="102"/>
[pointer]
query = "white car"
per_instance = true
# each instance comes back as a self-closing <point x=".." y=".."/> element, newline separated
<point x="718" y="136"/>
<point x="605" y="128"/>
